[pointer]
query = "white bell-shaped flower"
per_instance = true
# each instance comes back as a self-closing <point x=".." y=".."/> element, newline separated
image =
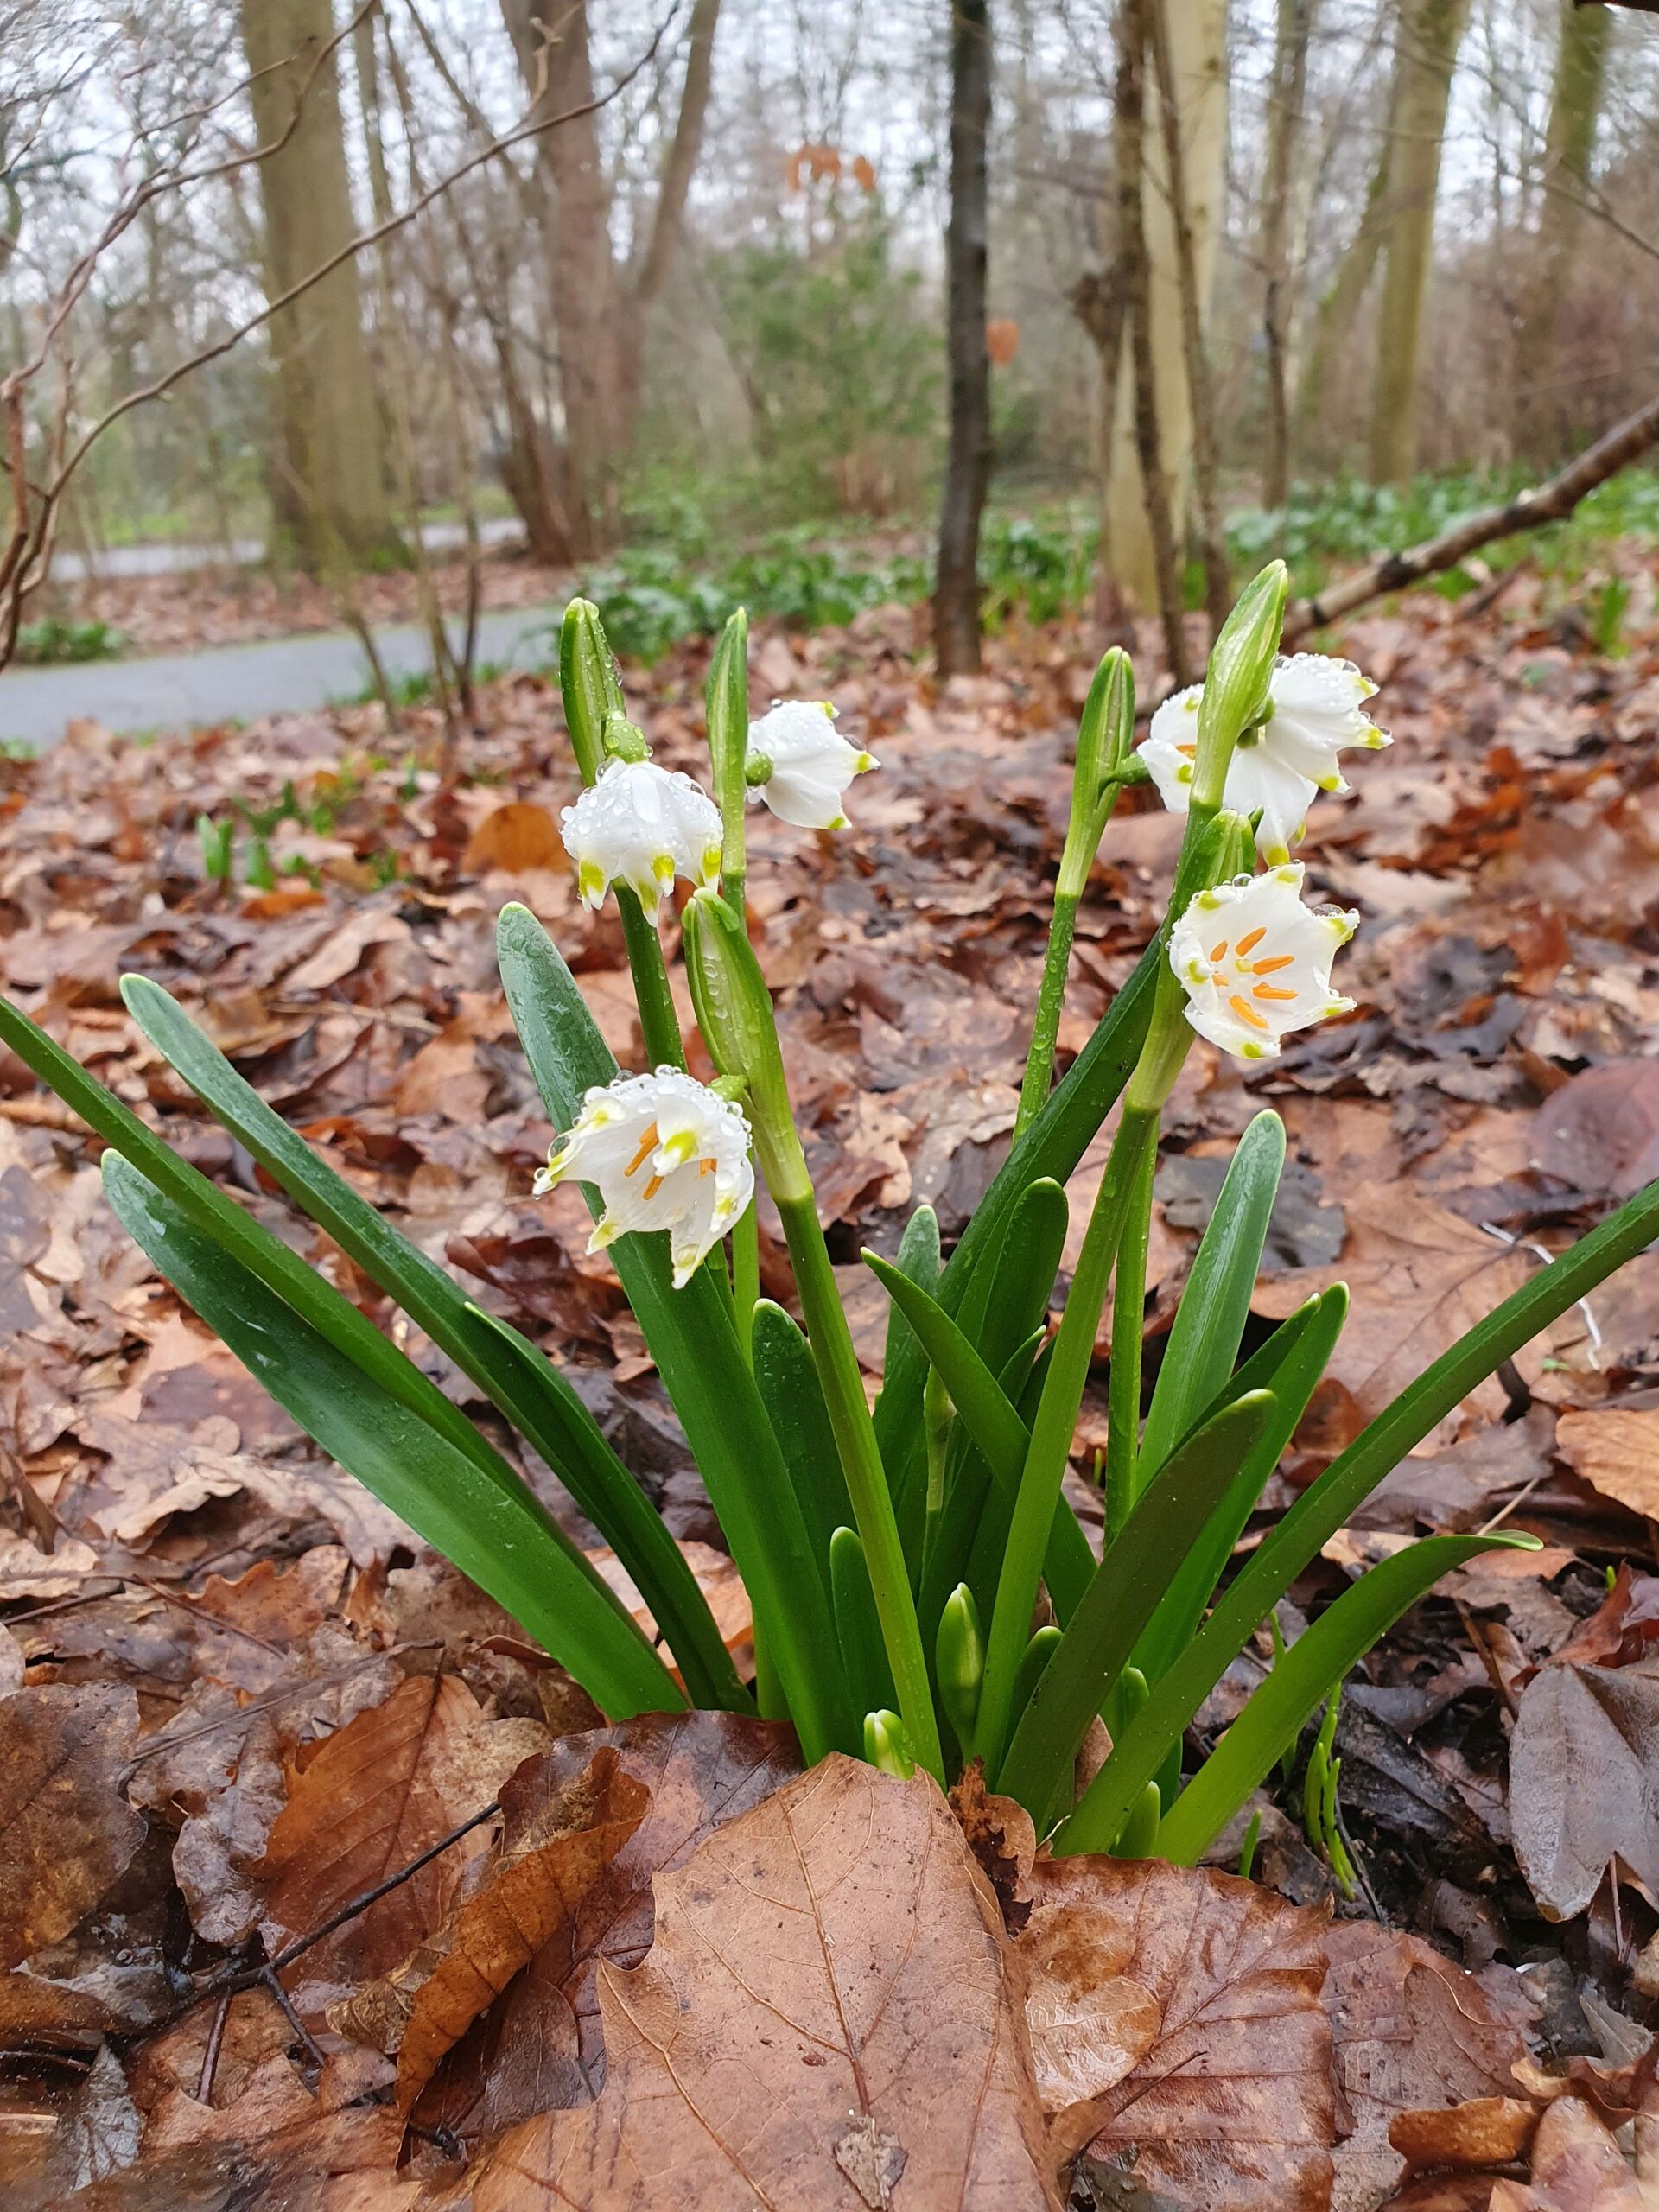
<point x="1316" y="706"/>
<point x="799" y="764"/>
<point x="1255" y="961"/>
<point x="666" y="1151"/>
<point x="642" y="826"/>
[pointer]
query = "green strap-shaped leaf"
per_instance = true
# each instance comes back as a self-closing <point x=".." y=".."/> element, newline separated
<point x="694" y="1343"/>
<point x="1122" y="1597"/>
<point x="512" y="1372"/>
<point x="897" y="1413"/>
<point x="984" y="1410"/>
<point x="1301" y="1680"/>
<point x="787" y="1378"/>
<point x="266" y="1257"/>
<point x="1209" y="1324"/>
<point x="1025" y="1272"/>
<point x="505" y="1542"/>
<point x="857" y="1623"/>
<point x="1331" y="1502"/>
<point x="1289" y="1364"/>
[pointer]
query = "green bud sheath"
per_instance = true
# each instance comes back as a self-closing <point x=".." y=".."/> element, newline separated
<point x="1236" y="681"/>
<point x="887" y="1745"/>
<point x="587" y="684"/>
<point x="727" y="704"/>
<point x="733" y="1009"/>
<point x="960" y="1655"/>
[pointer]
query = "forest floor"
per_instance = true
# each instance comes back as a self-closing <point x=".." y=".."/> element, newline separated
<point x="243" y="1698"/>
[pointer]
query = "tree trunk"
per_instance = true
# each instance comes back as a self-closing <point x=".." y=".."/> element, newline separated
<point x="1430" y="33"/>
<point x="1339" y="304"/>
<point x="330" y="481"/>
<point x="1569" y="150"/>
<point x="968" y="469"/>
<point x="1198" y="39"/>
<point x="1289" y="92"/>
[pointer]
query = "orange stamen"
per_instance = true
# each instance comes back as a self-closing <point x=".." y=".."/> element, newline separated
<point x="1220" y="952"/>
<point x="653" y="1186"/>
<point x="1246" y="1012"/>
<point x="1269" y="991"/>
<point x="1248" y="943"/>
<point x="705" y="1167"/>
<point x="1272" y="967"/>
<point x="647" y="1146"/>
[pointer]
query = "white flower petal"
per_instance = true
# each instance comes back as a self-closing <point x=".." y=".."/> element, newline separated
<point x="811" y="764"/>
<point x="1255" y="961"/>
<point x="665" y="1152"/>
<point x="1316" y="706"/>
<point x="642" y="826"/>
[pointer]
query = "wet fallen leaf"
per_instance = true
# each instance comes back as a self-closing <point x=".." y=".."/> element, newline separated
<point x="1617" y="1451"/>
<point x="516" y="836"/>
<point x="1600" y="1131"/>
<point x="67" y="1832"/>
<point x="828" y="2015"/>
<point x="1178" y="2031"/>
<point x="1581" y="1765"/>
<point x="1483" y="2131"/>
<point x="1576" y="2167"/>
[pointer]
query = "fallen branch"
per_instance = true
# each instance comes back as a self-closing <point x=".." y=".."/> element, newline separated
<point x="1546" y="502"/>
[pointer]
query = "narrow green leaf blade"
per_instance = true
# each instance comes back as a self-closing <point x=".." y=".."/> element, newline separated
<point x="1210" y="1321"/>
<point x="1324" y="1507"/>
<point x="694" y="1342"/>
<point x="505" y="1540"/>
<point x="787" y="1378"/>
<point x="1283" y="1705"/>
<point x="1122" y="1597"/>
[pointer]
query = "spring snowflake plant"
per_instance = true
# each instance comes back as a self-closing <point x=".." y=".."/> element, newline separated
<point x="897" y="1557"/>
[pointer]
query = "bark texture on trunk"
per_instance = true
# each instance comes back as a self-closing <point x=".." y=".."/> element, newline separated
<point x="1545" y="412"/>
<point x="1295" y="26"/>
<point x="1197" y="43"/>
<point x="968" y="469"/>
<point x="329" y="482"/>
<point x="1430" y="33"/>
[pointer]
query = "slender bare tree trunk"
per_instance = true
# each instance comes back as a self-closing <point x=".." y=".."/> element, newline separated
<point x="1339" y="304"/>
<point x="1294" y="30"/>
<point x="1569" y="150"/>
<point x="1430" y="33"/>
<point x="968" y="469"/>
<point x="330" y="484"/>
<point x="1197" y="38"/>
<point x="657" y="262"/>
<point x="1155" y="511"/>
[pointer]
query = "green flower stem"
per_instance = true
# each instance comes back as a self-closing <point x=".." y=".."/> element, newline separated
<point x="1051" y="993"/>
<point x="746" y="1278"/>
<point x="867" y="1483"/>
<point x="1051" y="1431"/>
<point x="1129" y="1322"/>
<point x="659" y="1020"/>
<point x="937" y="1413"/>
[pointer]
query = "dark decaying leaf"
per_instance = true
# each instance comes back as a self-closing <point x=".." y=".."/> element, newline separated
<point x="67" y="1832"/>
<point x="827" y="2016"/>
<point x="1582" y="1761"/>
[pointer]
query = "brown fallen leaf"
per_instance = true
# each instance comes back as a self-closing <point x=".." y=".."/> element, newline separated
<point x="538" y="1882"/>
<point x="1483" y="2131"/>
<point x="1197" y="1997"/>
<point x="67" y="1832"/>
<point x="1617" y="1451"/>
<point x="829" y="2017"/>
<point x="1582" y="1760"/>
<point x="1576" y="2167"/>
<point x="1001" y="1837"/>
<point x="375" y="1796"/>
<point x="516" y="836"/>
<point x="1600" y="1131"/>
<point x="1409" y="2029"/>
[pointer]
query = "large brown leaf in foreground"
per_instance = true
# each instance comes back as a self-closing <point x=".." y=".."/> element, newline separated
<point x="1177" y="2027"/>
<point x="541" y="2044"/>
<point x="67" y="1832"/>
<point x="827" y="2020"/>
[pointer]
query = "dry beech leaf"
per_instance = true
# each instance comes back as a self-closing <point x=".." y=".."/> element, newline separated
<point x="516" y="836"/>
<point x="535" y="1885"/>
<point x="379" y="1792"/>
<point x="1483" y="2131"/>
<point x="1582" y="1760"/>
<point x="67" y="1832"/>
<point x="1576" y="2167"/>
<point x="1001" y="1837"/>
<point x="1197" y="1996"/>
<point x="541" y="2045"/>
<point x="828" y="2017"/>
<point x="1410" y="2029"/>
<point x="1616" y="1452"/>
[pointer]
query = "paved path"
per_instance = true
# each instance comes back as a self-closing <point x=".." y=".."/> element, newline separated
<point x="167" y="560"/>
<point x="226" y="683"/>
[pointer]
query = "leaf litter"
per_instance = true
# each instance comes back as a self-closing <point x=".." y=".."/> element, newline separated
<point x="524" y="1959"/>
